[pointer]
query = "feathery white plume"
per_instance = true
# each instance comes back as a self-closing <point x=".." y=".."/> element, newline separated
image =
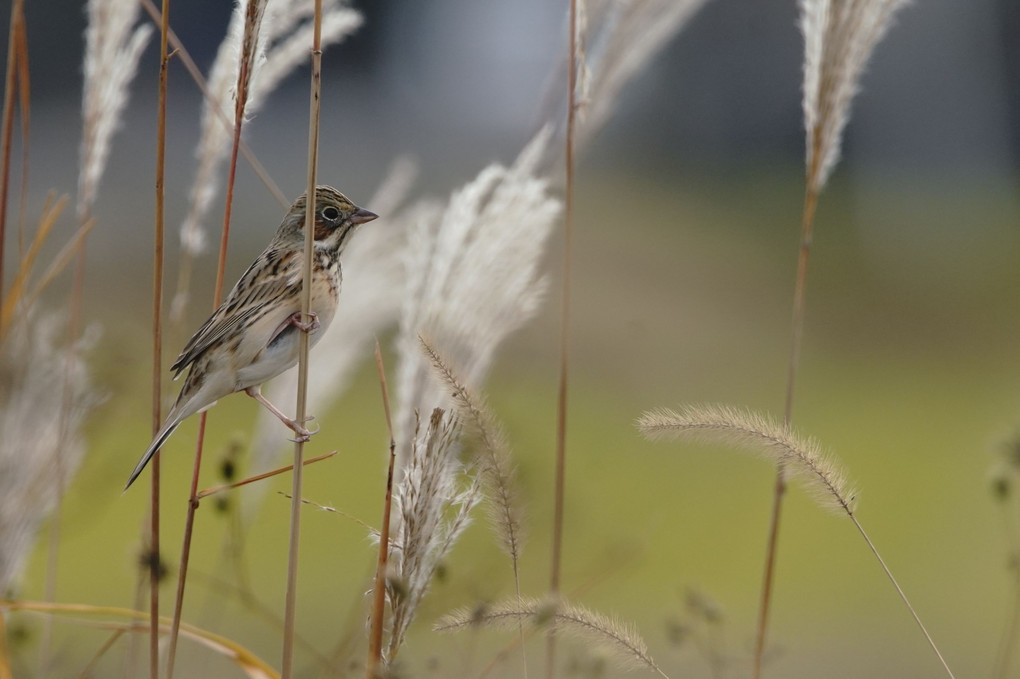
<point x="616" y="40"/>
<point x="112" y="51"/>
<point x="472" y="279"/>
<point x="839" y="38"/>
<point x="35" y="442"/>
<point x="432" y="503"/>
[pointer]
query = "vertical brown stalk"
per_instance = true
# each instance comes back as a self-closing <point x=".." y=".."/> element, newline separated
<point x="7" y="128"/>
<point x="252" y="25"/>
<point x="779" y="490"/>
<point x="379" y="588"/>
<point x="157" y="346"/>
<point x="561" y="409"/>
<point x="306" y="305"/>
<point x="5" y="656"/>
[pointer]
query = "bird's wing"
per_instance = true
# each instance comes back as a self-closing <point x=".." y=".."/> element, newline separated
<point x="264" y="281"/>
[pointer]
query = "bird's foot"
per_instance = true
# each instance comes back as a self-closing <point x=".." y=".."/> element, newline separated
<point x="296" y="319"/>
<point x="303" y="434"/>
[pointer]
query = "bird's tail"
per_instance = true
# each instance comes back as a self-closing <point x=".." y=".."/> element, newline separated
<point x="157" y="443"/>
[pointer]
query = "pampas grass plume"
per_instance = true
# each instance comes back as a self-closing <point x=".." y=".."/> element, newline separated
<point x="112" y="51"/>
<point x="839" y="38"/>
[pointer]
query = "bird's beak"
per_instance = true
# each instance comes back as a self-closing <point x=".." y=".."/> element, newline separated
<point x="362" y="215"/>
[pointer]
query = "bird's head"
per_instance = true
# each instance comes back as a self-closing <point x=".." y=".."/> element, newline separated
<point x="336" y="218"/>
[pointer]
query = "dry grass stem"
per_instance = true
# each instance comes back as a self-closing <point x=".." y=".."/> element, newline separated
<point x="17" y="301"/>
<point x="260" y="477"/>
<point x="253" y="666"/>
<point x="290" y="604"/>
<point x="15" y="38"/>
<point x="157" y="341"/>
<point x="804" y="457"/>
<point x="621" y="640"/>
<point x="375" y="642"/>
<point x="372" y="530"/>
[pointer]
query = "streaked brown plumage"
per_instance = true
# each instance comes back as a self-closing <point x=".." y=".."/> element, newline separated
<point x="253" y="335"/>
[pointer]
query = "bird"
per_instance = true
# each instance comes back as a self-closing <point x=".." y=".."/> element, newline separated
<point x="253" y="335"/>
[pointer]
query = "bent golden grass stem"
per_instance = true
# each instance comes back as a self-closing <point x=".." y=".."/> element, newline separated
<point x="51" y="211"/>
<point x="59" y="263"/>
<point x="244" y="658"/>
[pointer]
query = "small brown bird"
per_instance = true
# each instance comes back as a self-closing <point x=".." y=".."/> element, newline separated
<point x="253" y="336"/>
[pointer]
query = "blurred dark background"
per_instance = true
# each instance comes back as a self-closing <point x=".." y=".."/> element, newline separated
<point x="437" y="78"/>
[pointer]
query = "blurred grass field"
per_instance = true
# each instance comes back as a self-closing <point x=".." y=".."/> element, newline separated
<point x="682" y="287"/>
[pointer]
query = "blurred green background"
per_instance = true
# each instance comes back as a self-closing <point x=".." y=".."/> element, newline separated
<point x="687" y="230"/>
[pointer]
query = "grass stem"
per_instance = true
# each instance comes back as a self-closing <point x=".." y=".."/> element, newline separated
<point x="561" y="403"/>
<point x="7" y="127"/>
<point x="779" y="490"/>
<point x="372" y="666"/>
<point x="903" y="596"/>
<point x="157" y="345"/>
<point x="303" y="342"/>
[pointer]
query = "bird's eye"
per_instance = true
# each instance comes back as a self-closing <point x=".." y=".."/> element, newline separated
<point x="331" y="213"/>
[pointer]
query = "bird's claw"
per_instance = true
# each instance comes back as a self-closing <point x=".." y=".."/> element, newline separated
<point x="303" y="435"/>
<point x="296" y="320"/>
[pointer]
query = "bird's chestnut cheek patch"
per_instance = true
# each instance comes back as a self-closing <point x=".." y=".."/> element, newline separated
<point x="322" y="229"/>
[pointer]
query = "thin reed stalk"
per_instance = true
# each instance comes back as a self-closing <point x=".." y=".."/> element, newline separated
<point x="24" y="95"/>
<point x="779" y="489"/>
<point x="157" y="342"/>
<point x="5" y="654"/>
<point x="559" y="489"/>
<point x="254" y="11"/>
<point x="7" y="127"/>
<point x="303" y="342"/>
<point x="373" y="665"/>
<point x="182" y="573"/>
<point x="838" y="40"/>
